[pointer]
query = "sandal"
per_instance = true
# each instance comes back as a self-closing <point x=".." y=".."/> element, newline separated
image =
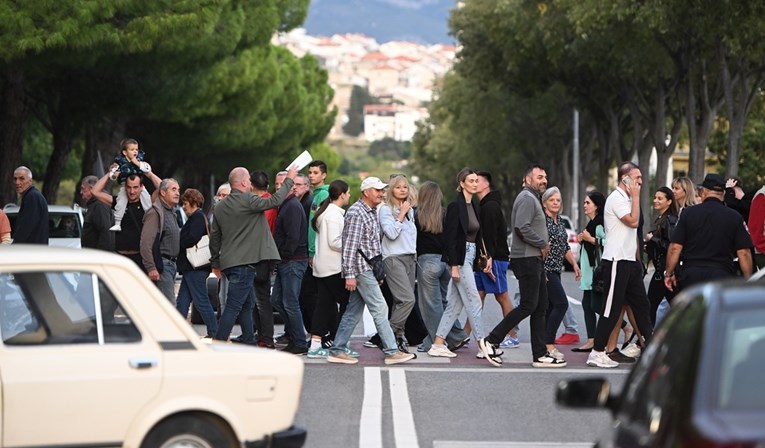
<point x="627" y="340"/>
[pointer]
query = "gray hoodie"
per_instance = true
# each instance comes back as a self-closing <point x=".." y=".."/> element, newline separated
<point x="529" y="225"/>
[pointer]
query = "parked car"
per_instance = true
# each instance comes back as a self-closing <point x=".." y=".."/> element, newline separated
<point x="64" y="224"/>
<point x="92" y="354"/>
<point x="699" y="380"/>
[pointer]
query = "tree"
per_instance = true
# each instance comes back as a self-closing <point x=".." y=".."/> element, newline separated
<point x="360" y="97"/>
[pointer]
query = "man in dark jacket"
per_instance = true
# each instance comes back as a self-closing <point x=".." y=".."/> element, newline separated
<point x="98" y="219"/>
<point x="291" y="237"/>
<point x="31" y="225"/>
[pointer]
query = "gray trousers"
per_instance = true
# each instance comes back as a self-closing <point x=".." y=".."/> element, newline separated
<point x="400" y="272"/>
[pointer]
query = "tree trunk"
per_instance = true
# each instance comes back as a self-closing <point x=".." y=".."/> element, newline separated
<point x="13" y="118"/>
<point x="701" y="115"/>
<point x="102" y="140"/>
<point x="740" y="92"/>
<point x="62" y="148"/>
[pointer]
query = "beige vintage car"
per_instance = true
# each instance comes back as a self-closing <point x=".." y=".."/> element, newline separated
<point x="92" y="354"/>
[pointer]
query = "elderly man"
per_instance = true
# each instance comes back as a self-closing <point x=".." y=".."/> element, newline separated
<point x="31" y="225"/>
<point x="239" y="241"/>
<point x="709" y="235"/>
<point x="361" y="242"/>
<point x="98" y="218"/>
<point x="160" y="238"/>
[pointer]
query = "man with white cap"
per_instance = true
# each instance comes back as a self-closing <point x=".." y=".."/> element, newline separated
<point x="361" y="242"/>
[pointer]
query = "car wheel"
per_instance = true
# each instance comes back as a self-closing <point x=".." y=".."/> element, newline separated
<point x="190" y="432"/>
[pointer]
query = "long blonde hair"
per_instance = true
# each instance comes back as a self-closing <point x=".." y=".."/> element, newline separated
<point x="430" y="211"/>
<point x="690" y="191"/>
<point x="393" y="202"/>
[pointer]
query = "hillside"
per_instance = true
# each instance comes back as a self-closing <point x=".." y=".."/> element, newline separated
<point x="422" y="21"/>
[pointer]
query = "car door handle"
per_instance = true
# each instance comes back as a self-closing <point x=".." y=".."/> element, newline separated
<point x="143" y="363"/>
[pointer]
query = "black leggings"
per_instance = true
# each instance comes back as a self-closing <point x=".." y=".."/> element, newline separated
<point x="331" y="293"/>
<point x="656" y="292"/>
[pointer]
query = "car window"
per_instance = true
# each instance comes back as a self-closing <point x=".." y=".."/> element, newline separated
<point x="41" y="308"/>
<point x="665" y="373"/>
<point x="63" y="225"/>
<point x="743" y="360"/>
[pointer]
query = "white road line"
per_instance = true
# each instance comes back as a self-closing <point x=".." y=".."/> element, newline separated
<point x="370" y="427"/>
<point x="477" y="444"/>
<point x="511" y="370"/>
<point x="403" y="421"/>
<point x="573" y="300"/>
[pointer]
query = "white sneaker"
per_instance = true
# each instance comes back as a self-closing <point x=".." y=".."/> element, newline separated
<point x="548" y="361"/>
<point x="116" y="228"/>
<point x="441" y="351"/>
<point x="497" y="351"/>
<point x="555" y="353"/>
<point x="601" y="359"/>
<point x="632" y="350"/>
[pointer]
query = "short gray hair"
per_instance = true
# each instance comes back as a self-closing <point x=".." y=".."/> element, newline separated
<point x="90" y="180"/>
<point x="26" y="170"/>
<point x="548" y="193"/>
<point x="163" y="185"/>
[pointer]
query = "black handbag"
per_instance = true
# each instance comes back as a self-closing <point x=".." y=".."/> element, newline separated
<point x="376" y="263"/>
<point x="598" y="276"/>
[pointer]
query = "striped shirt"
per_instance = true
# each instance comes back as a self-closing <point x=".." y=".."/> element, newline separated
<point x="361" y="231"/>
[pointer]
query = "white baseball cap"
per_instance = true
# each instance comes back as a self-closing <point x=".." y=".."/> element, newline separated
<point x="372" y="182"/>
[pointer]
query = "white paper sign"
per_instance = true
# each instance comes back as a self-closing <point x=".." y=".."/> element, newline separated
<point x="301" y="161"/>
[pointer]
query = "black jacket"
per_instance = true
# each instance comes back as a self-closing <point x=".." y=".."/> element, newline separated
<point x="291" y="234"/>
<point x="455" y="231"/>
<point x="191" y="233"/>
<point x="494" y="227"/>
<point x="32" y="226"/>
<point x="95" y="228"/>
<point x="658" y="245"/>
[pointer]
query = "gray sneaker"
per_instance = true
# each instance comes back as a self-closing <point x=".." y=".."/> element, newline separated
<point x="399" y="357"/>
<point x="342" y="358"/>
<point x="601" y="359"/>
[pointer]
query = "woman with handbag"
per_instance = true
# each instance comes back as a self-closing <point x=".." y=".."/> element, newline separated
<point x="656" y="246"/>
<point x="592" y="239"/>
<point x="559" y="251"/>
<point x="462" y="232"/>
<point x="194" y="241"/>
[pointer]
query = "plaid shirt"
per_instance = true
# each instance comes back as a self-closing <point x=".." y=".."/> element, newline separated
<point x="361" y="231"/>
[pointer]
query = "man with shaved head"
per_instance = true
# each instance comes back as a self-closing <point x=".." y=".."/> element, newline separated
<point x="240" y="240"/>
<point x="31" y="225"/>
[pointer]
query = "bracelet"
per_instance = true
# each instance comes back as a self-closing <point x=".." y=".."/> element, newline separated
<point x="671" y="274"/>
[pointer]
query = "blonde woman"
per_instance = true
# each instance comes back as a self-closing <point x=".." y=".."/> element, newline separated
<point x="685" y="193"/>
<point x="399" y="251"/>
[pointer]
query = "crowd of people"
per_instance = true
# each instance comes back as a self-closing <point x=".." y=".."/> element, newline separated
<point x="414" y="264"/>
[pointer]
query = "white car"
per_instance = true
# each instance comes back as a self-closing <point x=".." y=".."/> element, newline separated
<point x="64" y="224"/>
<point x="572" y="240"/>
<point x="92" y="354"/>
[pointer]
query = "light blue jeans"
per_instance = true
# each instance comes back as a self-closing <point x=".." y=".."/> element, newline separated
<point x="463" y="294"/>
<point x="432" y="286"/>
<point x="570" y="323"/>
<point x="367" y="292"/>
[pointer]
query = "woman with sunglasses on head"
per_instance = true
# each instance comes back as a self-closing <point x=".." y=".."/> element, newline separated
<point x="657" y="244"/>
<point x="462" y="235"/>
<point x="684" y="191"/>
<point x="399" y="251"/>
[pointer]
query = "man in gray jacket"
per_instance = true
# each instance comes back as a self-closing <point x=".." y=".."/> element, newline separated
<point x="240" y="239"/>
<point x="529" y="248"/>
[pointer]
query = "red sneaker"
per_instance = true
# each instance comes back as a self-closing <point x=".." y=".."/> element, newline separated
<point x="567" y="339"/>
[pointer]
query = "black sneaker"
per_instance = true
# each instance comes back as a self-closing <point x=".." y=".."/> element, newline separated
<point x="374" y="341"/>
<point x="326" y="342"/>
<point x="459" y="345"/>
<point x="402" y="347"/>
<point x="295" y="350"/>
<point x="548" y="361"/>
<point x="282" y="339"/>
<point x="621" y="358"/>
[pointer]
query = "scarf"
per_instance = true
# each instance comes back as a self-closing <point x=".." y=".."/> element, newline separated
<point x="591" y="229"/>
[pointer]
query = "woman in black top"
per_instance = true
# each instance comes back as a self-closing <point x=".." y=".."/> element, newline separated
<point x="462" y="231"/>
<point x="656" y="245"/>
<point x="194" y="283"/>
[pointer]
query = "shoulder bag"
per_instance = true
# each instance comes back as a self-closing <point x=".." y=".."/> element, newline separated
<point x="199" y="255"/>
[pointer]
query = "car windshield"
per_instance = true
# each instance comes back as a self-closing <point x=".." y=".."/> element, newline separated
<point x="743" y="361"/>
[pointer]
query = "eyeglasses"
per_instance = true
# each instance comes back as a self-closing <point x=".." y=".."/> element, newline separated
<point x="397" y="174"/>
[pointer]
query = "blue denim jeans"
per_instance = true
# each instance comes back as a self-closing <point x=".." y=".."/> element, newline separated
<point x="367" y="292"/>
<point x="557" y="306"/>
<point x="285" y="298"/>
<point x="532" y="287"/>
<point x="432" y="286"/>
<point x="241" y="300"/>
<point x="166" y="282"/>
<point x="463" y="294"/>
<point x="570" y="324"/>
<point x="194" y="289"/>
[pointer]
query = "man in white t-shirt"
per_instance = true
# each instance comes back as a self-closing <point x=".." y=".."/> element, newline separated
<point x="622" y="268"/>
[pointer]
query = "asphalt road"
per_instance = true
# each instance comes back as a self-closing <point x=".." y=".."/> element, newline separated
<point x="445" y="403"/>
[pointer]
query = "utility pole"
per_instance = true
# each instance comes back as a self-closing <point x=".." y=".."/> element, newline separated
<point x="575" y="205"/>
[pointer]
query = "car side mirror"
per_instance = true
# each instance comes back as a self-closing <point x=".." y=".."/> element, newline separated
<point x="584" y="393"/>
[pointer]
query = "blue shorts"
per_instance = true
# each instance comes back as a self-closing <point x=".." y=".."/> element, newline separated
<point x="484" y="283"/>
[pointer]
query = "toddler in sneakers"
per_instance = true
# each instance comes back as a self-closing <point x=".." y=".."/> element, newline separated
<point x="128" y="162"/>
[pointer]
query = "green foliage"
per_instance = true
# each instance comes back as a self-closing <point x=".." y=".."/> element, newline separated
<point x="389" y="148"/>
<point x="360" y="97"/>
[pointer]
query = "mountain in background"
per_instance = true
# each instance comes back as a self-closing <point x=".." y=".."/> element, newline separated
<point x="421" y="21"/>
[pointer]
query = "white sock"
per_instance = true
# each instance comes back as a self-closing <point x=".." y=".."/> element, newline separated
<point x="315" y="344"/>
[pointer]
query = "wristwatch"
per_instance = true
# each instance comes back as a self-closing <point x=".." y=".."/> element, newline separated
<point x="670" y="274"/>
